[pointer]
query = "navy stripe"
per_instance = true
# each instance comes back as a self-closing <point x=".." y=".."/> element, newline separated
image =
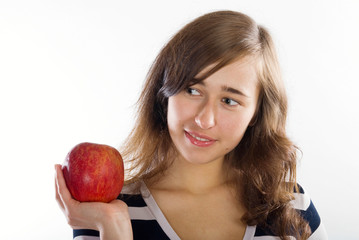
<point x="311" y="216"/>
<point x="132" y="200"/>
<point x="147" y="230"/>
<point x="263" y="231"/>
<point x="85" y="232"/>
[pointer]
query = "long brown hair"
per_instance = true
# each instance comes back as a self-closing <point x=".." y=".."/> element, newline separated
<point x="263" y="165"/>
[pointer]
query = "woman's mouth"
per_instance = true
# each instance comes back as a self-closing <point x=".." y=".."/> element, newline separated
<point x="199" y="140"/>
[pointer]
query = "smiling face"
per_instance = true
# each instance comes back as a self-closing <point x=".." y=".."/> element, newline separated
<point x="208" y="120"/>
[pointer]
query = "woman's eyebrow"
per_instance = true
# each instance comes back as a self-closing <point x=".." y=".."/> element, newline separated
<point x="226" y="88"/>
<point x="233" y="90"/>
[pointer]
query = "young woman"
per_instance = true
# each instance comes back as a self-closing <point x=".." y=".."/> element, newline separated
<point x="209" y="157"/>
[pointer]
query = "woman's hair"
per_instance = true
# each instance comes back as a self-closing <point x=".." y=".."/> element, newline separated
<point x="263" y="165"/>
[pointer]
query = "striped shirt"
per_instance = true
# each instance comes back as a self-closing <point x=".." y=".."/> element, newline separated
<point x="148" y="221"/>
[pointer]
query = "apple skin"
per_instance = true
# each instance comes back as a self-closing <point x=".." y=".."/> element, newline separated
<point x="94" y="172"/>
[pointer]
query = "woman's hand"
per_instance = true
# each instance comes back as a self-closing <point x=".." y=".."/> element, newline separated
<point x="111" y="219"/>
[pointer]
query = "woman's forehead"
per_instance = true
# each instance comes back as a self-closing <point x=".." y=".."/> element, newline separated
<point x="237" y="63"/>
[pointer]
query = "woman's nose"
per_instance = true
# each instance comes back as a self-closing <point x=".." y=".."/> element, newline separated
<point x="205" y="117"/>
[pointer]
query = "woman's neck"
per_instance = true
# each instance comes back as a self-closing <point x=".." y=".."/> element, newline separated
<point x="192" y="178"/>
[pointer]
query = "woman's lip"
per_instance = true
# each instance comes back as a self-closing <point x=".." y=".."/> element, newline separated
<point x="201" y="136"/>
<point x="199" y="140"/>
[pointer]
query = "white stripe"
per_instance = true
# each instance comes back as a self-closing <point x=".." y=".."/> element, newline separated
<point x="86" y="238"/>
<point x="271" y="238"/>
<point x="140" y="213"/>
<point x="301" y="201"/>
<point x="266" y="238"/>
<point x="250" y="230"/>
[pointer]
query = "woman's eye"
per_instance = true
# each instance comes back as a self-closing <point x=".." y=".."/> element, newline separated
<point x="193" y="92"/>
<point x="230" y="102"/>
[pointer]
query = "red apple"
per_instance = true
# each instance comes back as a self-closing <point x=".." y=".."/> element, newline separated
<point x="93" y="172"/>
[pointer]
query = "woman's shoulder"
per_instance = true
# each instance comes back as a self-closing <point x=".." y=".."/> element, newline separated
<point x="302" y="203"/>
<point x="302" y="200"/>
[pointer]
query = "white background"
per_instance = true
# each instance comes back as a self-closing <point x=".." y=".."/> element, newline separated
<point x="71" y="71"/>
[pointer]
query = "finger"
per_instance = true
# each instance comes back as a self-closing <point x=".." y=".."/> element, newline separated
<point x="67" y="203"/>
<point x="63" y="192"/>
<point x="58" y="199"/>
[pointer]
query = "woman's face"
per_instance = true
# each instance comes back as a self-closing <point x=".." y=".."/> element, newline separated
<point x="208" y="119"/>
